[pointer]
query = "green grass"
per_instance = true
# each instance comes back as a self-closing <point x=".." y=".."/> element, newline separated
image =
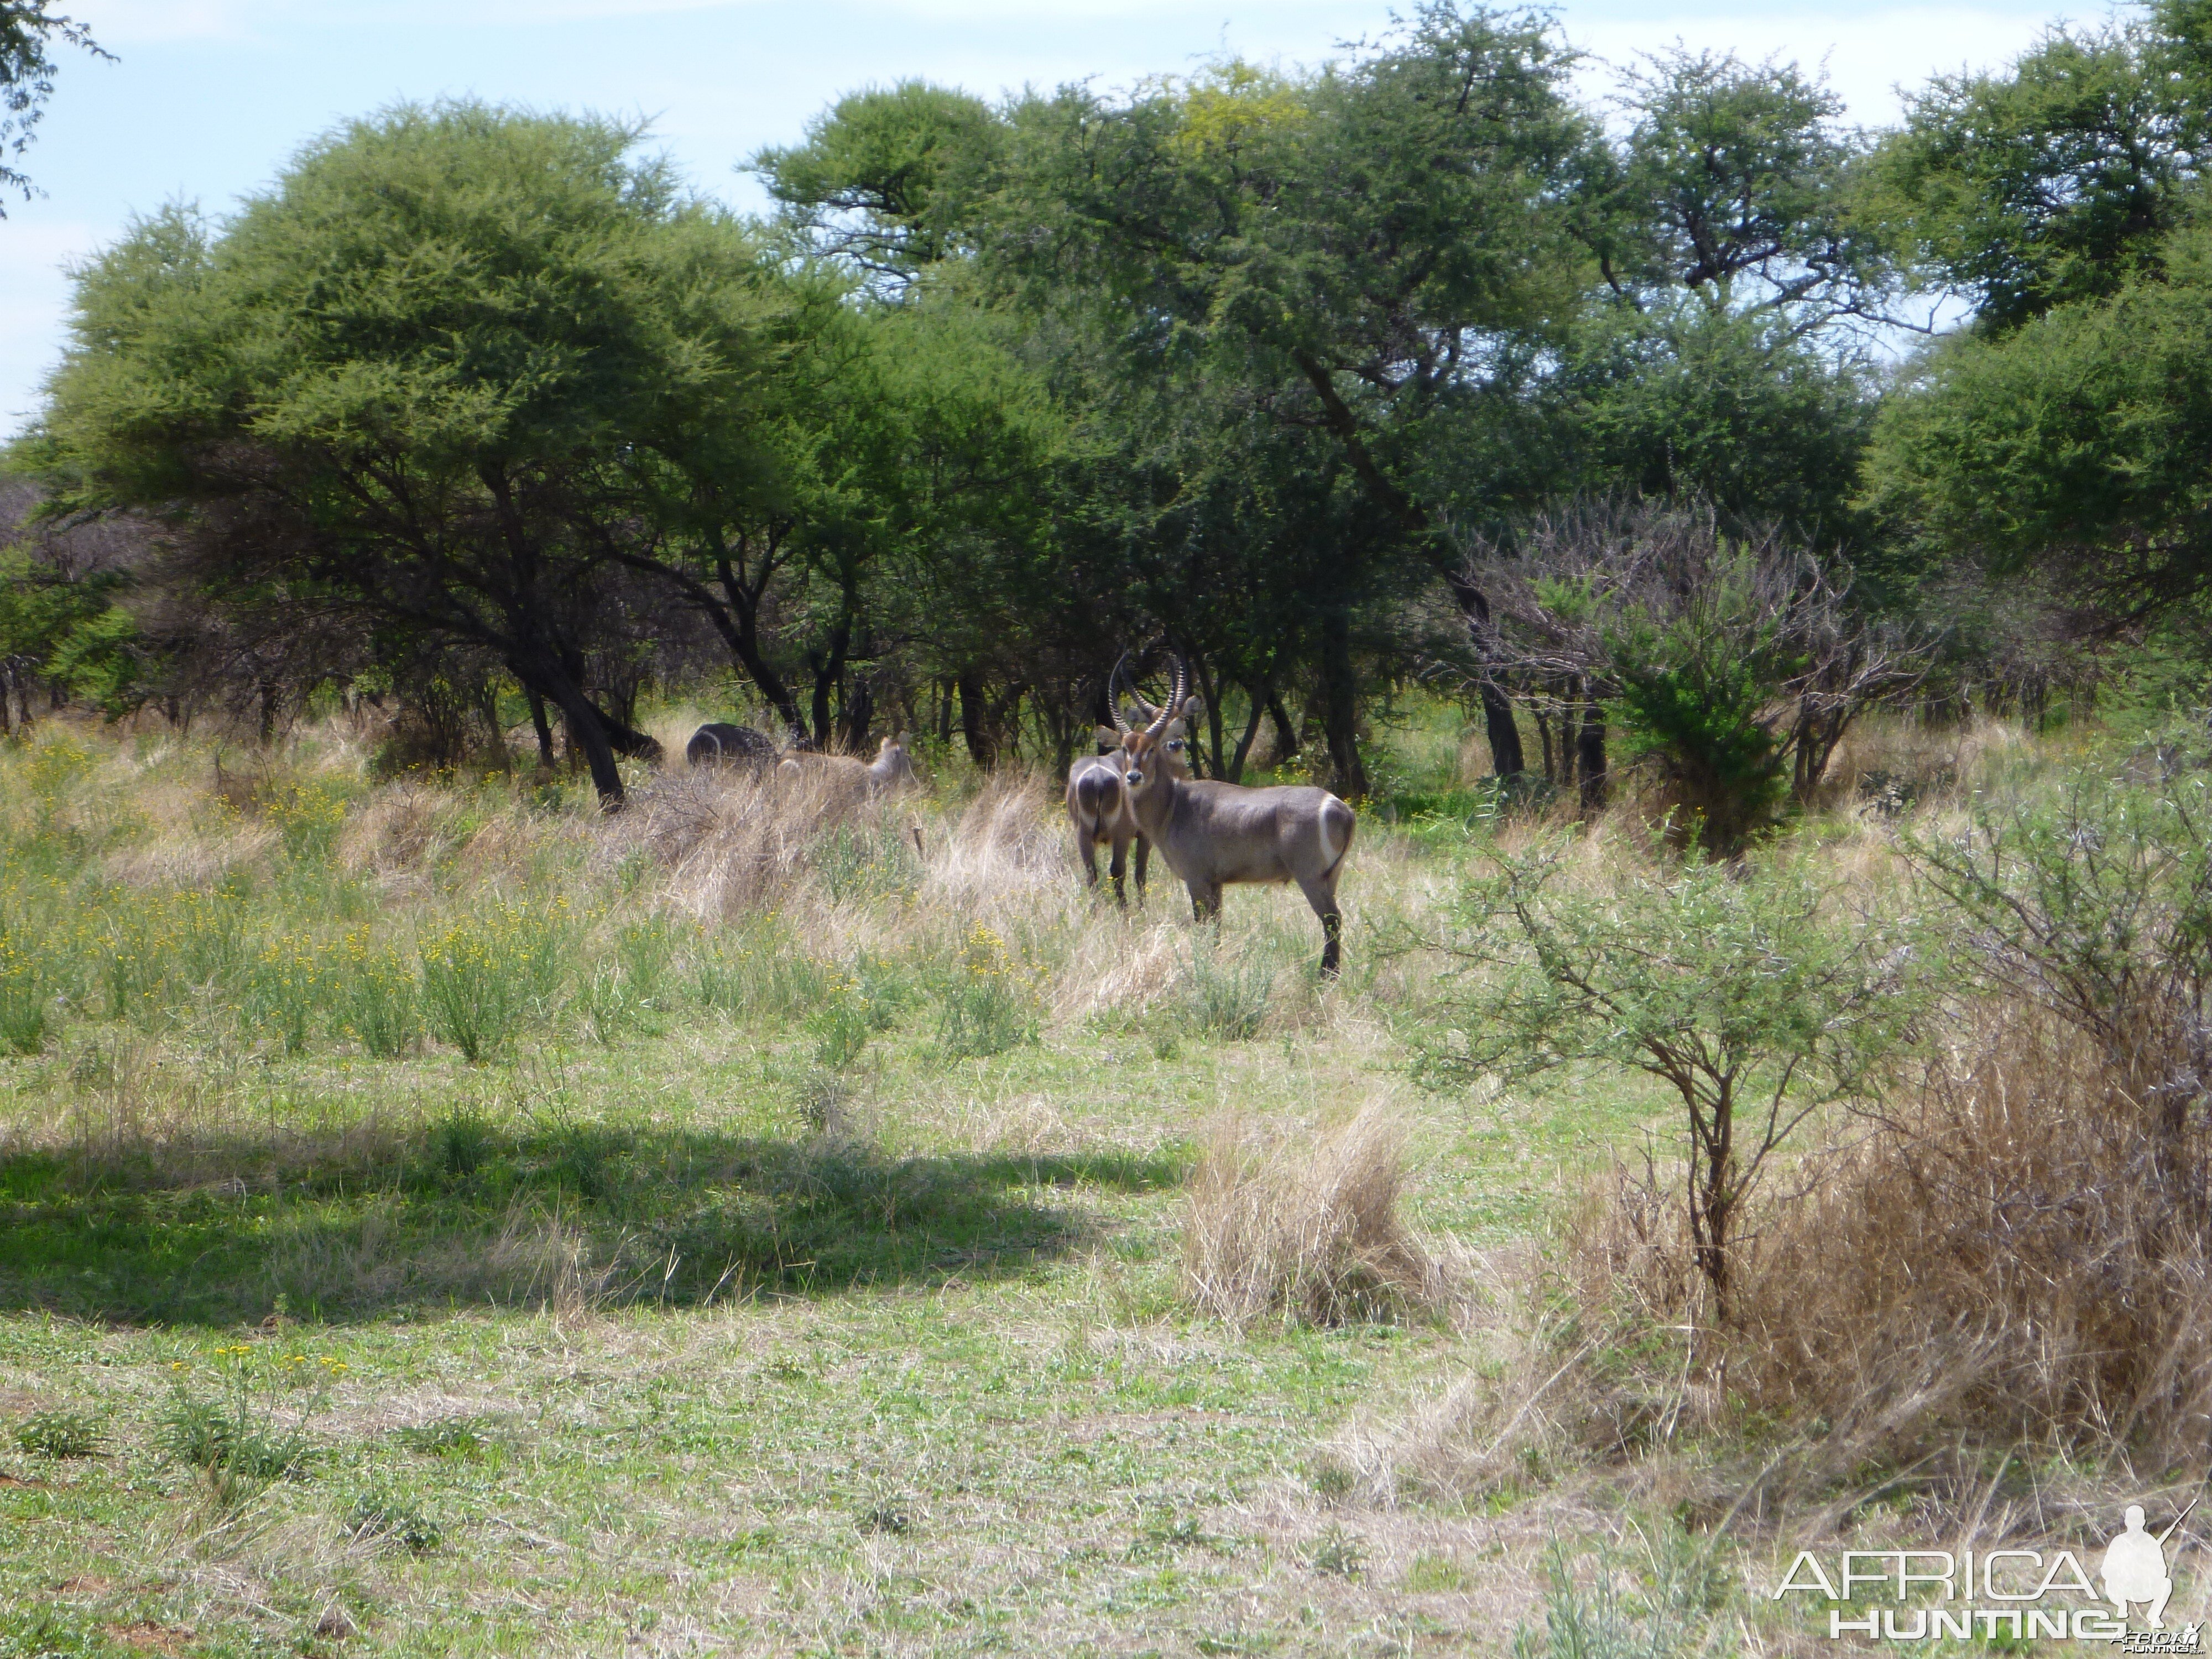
<point x="802" y="1282"/>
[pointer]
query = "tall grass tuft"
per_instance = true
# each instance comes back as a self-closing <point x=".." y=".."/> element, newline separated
<point x="24" y="1000"/>
<point x="487" y="976"/>
<point x="2049" y="1276"/>
<point x="1227" y="996"/>
<point x="1307" y="1234"/>
<point x="291" y="983"/>
<point x="309" y="817"/>
<point x="988" y="1001"/>
<point x="759" y="972"/>
<point x="374" y="996"/>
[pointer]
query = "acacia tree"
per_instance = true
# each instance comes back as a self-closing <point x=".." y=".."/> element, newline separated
<point x="2070" y="447"/>
<point x="2056" y="180"/>
<point x="403" y="382"/>
<point x="1746" y="993"/>
<point x="1351" y="250"/>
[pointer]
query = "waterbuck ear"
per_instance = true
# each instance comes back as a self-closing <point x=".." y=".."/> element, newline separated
<point x="1175" y="730"/>
<point x="1194" y="708"/>
<point x="1107" y="736"/>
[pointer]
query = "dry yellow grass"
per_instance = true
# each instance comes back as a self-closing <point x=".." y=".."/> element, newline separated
<point x="1308" y="1229"/>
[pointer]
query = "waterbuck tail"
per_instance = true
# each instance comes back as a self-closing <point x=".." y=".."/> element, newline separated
<point x="1094" y="792"/>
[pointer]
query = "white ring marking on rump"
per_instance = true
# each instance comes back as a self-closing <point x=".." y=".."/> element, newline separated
<point x="1329" y="847"/>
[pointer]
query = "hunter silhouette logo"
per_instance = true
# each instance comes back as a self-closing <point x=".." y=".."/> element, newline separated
<point x="2135" y="1566"/>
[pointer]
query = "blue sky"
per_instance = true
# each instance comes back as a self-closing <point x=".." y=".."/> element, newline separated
<point x="211" y="96"/>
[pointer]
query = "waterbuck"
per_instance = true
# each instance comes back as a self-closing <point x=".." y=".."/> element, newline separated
<point x="1212" y="833"/>
<point x="1098" y="805"/>
<point x="722" y="744"/>
<point x="892" y="767"/>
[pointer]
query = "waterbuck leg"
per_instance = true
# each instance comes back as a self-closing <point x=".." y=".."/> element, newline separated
<point x="1090" y="856"/>
<point x="1205" y="902"/>
<point x="1321" y="895"/>
<point x="1144" y="859"/>
<point x="1117" y="868"/>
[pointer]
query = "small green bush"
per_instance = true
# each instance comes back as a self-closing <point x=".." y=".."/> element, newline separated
<point x="458" y="1437"/>
<point x="761" y="976"/>
<point x="234" y="1442"/>
<point x="487" y="976"/>
<point x="1226" y="997"/>
<point x="459" y="1143"/>
<point x="387" y="1518"/>
<point x="23" y="1010"/>
<point x="60" y="1434"/>
<point x="1749" y="991"/>
<point x="987" y="1003"/>
<point x="288" y="986"/>
<point x="373" y="996"/>
<point x="840" y="1028"/>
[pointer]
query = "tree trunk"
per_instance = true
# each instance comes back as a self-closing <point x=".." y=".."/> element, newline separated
<point x="1259" y="699"/>
<point x="1210" y="691"/>
<point x="828" y="671"/>
<point x="538" y="724"/>
<point x="587" y="736"/>
<point x="488" y="712"/>
<point x="860" y="714"/>
<point x="1339" y="690"/>
<point x="1286" y="733"/>
<point x="1506" y="759"/>
<point x="976" y="722"/>
<point x="1589" y="756"/>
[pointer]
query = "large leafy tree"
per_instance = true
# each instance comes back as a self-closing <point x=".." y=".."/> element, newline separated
<point x="407" y="382"/>
<point x="1735" y="184"/>
<point x="2058" y="179"/>
<point x="2063" y="435"/>
<point x="2073" y="445"/>
<point x="1353" y="252"/>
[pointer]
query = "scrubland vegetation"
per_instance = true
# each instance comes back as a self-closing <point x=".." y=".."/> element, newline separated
<point x="471" y="1181"/>
<point x="442" y="1218"/>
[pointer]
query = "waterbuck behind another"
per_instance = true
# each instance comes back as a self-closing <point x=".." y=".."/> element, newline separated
<point x="1213" y="834"/>
<point x="1098" y="805"/>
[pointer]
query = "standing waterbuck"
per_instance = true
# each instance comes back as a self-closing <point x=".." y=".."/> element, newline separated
<point x="1097" y="803"/>
<point x="1212" y="833"/>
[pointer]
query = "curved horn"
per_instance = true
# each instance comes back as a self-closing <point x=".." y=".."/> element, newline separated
<point x="1114" y="696"/>
<point x="1174" y="705"/>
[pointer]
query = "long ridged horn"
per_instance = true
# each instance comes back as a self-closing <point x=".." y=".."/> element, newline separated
<point x="1175" y="701"/>
<point x="1114" y="695"/>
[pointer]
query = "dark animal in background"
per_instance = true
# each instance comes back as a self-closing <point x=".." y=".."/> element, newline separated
<point x="723" y="744"/>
